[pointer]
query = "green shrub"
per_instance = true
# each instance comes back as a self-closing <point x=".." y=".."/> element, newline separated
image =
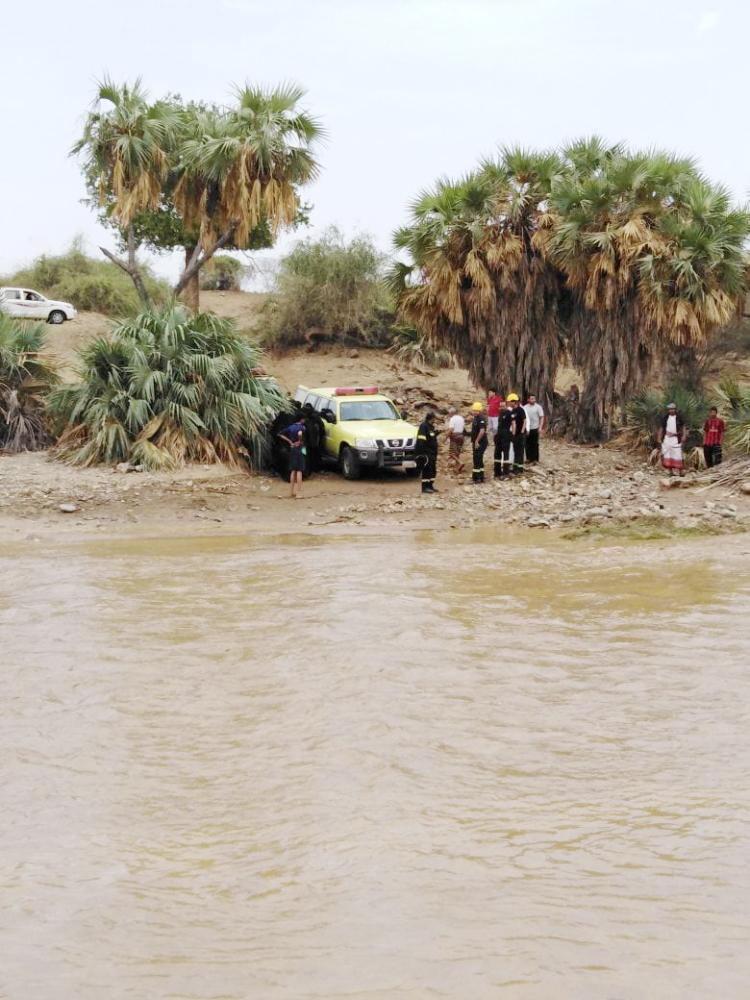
<point x="91" y="285"/>
<point x="25" y="380"/>
<point x="414" y="350"/>
<point x="165" y="388"/>
<point x="330" y="289"/>
<point x="735" y="398"/>
<point x="222" y="274"/>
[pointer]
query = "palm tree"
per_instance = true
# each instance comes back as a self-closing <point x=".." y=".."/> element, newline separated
<point x="652" y="255"/>
<point x="165" y="388"/>
<point x="218" y="176"/>
<point x="476" y="283"/>
<point x="127" y="144"/>
<point x="25" y="379"/>
<point x="241" y="168"/>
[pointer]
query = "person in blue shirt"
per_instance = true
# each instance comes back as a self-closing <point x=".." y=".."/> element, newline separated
<point x="295" y="436"/>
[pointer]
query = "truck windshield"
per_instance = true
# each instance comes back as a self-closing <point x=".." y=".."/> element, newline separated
<point x="369" y="409"/>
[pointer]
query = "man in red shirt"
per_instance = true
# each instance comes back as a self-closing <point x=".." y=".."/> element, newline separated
<point x="713" y="435"/>
<point x="494" y="405"/>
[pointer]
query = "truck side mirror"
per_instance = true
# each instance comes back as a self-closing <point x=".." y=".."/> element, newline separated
<point x="328" y="415"/>
<point x="404" y="415"/>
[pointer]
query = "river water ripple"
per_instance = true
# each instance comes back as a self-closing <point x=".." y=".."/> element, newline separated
<point x="423" y="767"/>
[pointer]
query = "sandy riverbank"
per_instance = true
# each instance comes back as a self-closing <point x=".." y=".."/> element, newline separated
<point x="573" y="489"/>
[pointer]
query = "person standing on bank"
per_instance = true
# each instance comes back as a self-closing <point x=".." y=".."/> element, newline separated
<point x="456" y="427"/>
<point x="519" y="432"/>
<point x="426" y="451"/>
<point x="713" y="436"/>
<point x="504" y="442"/>
<point x="494" y="406"/>
<point x="534" y="427"/>
<point x="295" y="436"/>
<point x="671" y="437"/>
<point x="478" y="442"/>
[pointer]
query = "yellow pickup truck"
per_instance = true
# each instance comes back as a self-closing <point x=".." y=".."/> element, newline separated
<point x="362" y="428"/>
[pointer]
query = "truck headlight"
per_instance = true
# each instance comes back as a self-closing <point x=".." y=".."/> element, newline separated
<point x="364" y="443"/>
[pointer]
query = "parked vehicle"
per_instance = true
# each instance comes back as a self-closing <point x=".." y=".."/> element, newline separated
<point x="362" y="428"/>
<point x="28" y="304"/>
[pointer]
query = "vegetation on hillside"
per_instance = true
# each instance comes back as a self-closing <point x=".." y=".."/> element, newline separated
<point x="92" y="285"/>
<point x="330" y="289"/>
<point x="166" y="388"/>
<point x="222" y="274"/>
<point x="25" y="379"/>
<point x="198" y="176"/>
<point x="592" y="252"/>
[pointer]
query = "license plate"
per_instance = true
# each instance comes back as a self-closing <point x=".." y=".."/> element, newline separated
<point x="399" y="454"/>
<point x="410" y="465"/>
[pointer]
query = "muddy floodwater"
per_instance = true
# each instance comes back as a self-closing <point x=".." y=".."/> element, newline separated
<point x="448" y="765"/>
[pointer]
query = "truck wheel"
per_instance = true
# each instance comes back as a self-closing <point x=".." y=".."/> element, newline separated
<point x="349" y="464"/>
<point x="57" y="316"/>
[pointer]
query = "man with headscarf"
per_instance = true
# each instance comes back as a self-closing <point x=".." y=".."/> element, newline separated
<point x="671" y="437"/>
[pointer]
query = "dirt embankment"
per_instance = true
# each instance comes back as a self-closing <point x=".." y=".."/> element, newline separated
<point x="573" y="488"/>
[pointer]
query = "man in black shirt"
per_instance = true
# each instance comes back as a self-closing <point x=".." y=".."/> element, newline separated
<point x="426" y="452"/>
<point x="503" y="441"/>
<point x="478" y="441"/>
<point x="519" y="432"/>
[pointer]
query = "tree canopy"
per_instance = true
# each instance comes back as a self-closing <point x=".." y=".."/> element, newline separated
<point x="592" y="253"/>
<point x="199" y="176"/>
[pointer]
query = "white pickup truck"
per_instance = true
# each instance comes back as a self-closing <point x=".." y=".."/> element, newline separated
<point x="28" y="304"/>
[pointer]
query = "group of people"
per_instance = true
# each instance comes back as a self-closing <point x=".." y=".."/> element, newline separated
<point x="512" y="428"/>
<point x="673" y="434"/>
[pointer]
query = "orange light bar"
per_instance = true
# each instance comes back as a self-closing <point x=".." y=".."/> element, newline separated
<point x="354" y="390"/>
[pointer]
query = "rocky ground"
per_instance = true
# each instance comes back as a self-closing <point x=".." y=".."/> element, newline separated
<point x="573" y="489"/>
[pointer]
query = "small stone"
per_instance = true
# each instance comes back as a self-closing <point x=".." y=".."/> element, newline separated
<point x="745" y="488"/>
<point x="354" y="354"/>
<point x="68" y="508"/>
<point x="122" y="467"/>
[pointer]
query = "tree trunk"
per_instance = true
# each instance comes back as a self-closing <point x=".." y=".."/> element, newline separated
<point x="192" y="291"/>
<point x="131" y="269"/>
<point x="195" y="259"/>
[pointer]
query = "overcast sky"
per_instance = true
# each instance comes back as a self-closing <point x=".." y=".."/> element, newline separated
<point x="408" y="90"/>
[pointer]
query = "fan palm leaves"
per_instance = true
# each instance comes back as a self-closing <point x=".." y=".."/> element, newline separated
<point x="25" y="379"/>
<point x="476" y="282"/>
<point x="165" y="388"/>
<point x="127" y="143"/>
<point x="240" y="167"/>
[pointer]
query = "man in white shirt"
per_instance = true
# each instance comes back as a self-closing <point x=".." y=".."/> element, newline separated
<point x="456" y="428"/>
<point x="534" y="428"/>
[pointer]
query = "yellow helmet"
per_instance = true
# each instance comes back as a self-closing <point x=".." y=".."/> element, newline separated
<point x="512" y="397"/>
<point x="477" y="407"/>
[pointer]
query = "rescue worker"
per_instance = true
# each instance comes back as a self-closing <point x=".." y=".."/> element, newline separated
<point x="519" y="432"/>
<point x="426" y="452"/>
<point x="504" y="442"/>
<point x="478" y="441"/>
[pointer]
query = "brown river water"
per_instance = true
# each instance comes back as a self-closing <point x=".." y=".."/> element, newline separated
<point x="444" y="765"/>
